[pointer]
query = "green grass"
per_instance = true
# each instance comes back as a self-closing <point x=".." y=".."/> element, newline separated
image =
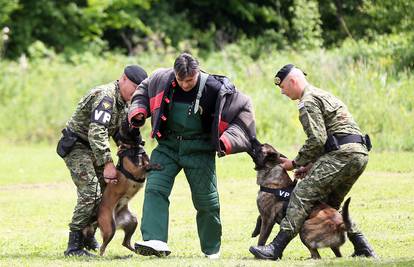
<point x="37" y="198"/>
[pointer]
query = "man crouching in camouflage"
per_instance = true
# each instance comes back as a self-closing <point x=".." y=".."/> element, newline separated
<point x="86" y="151"/>
<point x="333" y="157"/>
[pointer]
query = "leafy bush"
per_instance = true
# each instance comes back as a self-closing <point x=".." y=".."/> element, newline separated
<point x="307" y="24"/>
<point x="394" y="52"/>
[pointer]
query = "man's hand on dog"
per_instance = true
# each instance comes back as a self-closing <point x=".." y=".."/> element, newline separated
<point x="286" y="164"/>
<point x="110" y="173"/>
<point x="302" y="171"/>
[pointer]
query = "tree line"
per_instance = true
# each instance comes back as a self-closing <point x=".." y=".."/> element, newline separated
<point x="131" y="26"/>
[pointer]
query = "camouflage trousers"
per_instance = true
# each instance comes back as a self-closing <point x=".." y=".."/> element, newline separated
<point x="89" y="182"/>
<point x="329" y="180"/>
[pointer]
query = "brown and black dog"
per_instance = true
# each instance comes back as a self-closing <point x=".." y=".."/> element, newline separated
<point x="133" y="165"/>
<point x="325" y="226"/>
<point x="113" y="210"/>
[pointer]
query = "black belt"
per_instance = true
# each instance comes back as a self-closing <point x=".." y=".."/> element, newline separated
<point x="333" y="142"/>
<point x="68" y="131"/>
<point x="188" y="137"/>
<point x="352" y="138"/>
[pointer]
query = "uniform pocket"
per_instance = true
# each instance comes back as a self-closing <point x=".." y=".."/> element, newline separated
<point x="65" y="145"/>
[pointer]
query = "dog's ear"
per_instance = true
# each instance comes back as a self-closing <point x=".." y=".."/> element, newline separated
<point x="281" y="156"/>
<point x="271" y="155"/>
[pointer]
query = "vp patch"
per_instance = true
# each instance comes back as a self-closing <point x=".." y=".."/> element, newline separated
<point x="103" y="112"/>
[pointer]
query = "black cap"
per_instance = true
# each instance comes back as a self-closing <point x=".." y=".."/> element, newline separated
<point x="283" y="72"/>
<point x="135" y="74"/>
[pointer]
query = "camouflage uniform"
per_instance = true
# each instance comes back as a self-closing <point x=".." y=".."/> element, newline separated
<point x="332" y="174"/>
<point x="98" y="116"/>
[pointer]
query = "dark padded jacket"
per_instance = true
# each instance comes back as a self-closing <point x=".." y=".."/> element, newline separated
<point x="232" y="121"/>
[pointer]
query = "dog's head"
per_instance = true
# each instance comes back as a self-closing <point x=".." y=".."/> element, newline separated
<point x="269" y="170"/>
<point x="266" y="156"/>
<point x="134" y="160"/>
<point x="132" y="157"/>
<point x="128" y="135"/>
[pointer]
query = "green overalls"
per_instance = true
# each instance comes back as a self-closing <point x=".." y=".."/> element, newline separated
<point x="185" y="147"/>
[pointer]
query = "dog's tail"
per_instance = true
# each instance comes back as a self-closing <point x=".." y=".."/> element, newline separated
<point x="345" y="215"/>
<point x="256" y="230"/>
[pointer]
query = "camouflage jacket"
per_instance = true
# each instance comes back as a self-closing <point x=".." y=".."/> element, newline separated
<point x="322" y="114"/>
<point x="233" y="123"/>
<point x="98" y="116"/>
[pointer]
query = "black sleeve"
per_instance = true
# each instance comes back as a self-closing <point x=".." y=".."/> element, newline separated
<point x="208" y="102"/>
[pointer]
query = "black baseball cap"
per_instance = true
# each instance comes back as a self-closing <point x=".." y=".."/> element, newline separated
<point x="135" y="74"/>
<point x="283" y="72"/>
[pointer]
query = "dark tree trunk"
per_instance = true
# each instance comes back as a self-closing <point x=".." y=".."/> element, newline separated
<point x="339" y="16"/>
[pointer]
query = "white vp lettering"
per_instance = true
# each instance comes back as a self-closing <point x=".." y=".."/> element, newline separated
<point x="284" y="194"/>
<point x="106" y="117"/>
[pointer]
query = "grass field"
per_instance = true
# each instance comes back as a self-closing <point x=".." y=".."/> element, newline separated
<point x="37" y="198"/>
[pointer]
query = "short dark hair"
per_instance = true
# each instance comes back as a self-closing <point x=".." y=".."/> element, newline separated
<point x="186" y="65"/>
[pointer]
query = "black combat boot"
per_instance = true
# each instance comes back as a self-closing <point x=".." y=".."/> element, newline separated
<point x="361" y="246"/>
<point x="274" y="250"/>
<point x="90" y="242"/>
<point x="75" y="245"/>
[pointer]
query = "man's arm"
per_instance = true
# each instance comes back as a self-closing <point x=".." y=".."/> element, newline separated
<point x="236" y="135"/>
<point x="98" y="137"/>
<point x="140" y="107"/>
<point x="311" y="118"/>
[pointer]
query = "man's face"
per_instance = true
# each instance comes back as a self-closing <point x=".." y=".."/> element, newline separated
<point x="188" y="82"/>
<point x="287" y="88"/>
<point x="127" y="88"/>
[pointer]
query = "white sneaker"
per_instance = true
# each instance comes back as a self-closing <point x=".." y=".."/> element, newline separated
<point x="152" y="247"/>
<point x="214" y="256"/>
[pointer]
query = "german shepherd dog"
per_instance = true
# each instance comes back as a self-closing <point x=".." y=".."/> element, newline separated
<point x="113" y="213"/>
<point x="325" y="226"/>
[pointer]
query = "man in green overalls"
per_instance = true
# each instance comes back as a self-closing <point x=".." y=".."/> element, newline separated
<point x="182" y="102"/>
<point x="186" y="146"/>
